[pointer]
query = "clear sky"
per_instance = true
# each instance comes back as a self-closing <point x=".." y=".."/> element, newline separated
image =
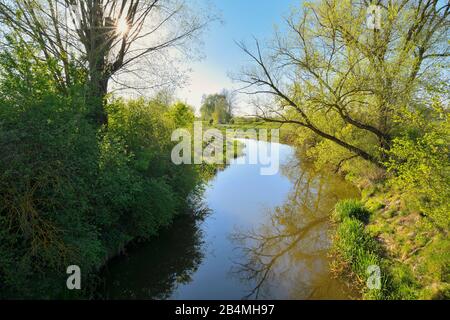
<point x="242" y="19"/>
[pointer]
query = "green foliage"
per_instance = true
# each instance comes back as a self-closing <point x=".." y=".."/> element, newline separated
<point x="357" y="249"/>
<point x="215" y="107"/>
<point x="404" y="96"/>
<point x="434" y="268"/>
<point x="47" y="165"/>
<point x="24" y="75"/>
<point x="356" y="245"/>
<point x="419" y="161"/>
<point x="160" y="188"/>
<point x="350" y="208"/>
<point x="71" y="193"/>
<point x="182" y="115"/>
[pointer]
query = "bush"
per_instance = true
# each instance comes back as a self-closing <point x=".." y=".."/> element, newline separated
<point x="47" y="167"/>
<point x="70" y="194"/>
<point x="419" y="162"/>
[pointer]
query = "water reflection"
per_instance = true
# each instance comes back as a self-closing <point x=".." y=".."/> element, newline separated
<point x="279" y="250"/>
<point x="154" y="270"/>
<point x="286" y="257"/>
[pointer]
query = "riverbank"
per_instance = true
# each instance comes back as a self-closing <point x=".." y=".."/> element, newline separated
<point x="404" y="232"/>
<point x="412" y="259"/>
<point x="382" y="228"/>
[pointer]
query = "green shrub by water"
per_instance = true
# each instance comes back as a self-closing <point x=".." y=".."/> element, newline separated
<point x="72" y="193"/>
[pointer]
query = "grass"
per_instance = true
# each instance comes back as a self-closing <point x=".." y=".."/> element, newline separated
<point x="356" y="251"/>
<point x="413" y="258"/>
<point x="351" y="208"/>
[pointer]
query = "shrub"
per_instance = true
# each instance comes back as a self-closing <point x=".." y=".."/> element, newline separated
<point x="47" y="167"/>
<point x="72" y="195"/>
<point x="419" y="162"/>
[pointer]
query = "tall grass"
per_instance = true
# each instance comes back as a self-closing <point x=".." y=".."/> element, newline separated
<point x="357" y="251"/>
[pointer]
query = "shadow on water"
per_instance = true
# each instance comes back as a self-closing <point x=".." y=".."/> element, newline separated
<point x="154" y="269"/>
<point x="286" y="257"/>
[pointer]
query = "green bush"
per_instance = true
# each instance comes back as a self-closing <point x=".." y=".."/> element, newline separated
<point x="47" y="167"/>
<point x="71" y="193"/>
<point x="419" y="162"/>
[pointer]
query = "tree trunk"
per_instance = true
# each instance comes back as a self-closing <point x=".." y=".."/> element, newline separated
<point x="96" y="93"/>
<point x="97" y="45"/>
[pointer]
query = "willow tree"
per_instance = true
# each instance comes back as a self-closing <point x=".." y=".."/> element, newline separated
<point x="217" y="107"/>
<point x="332" y="72"/>
<point x="105" y="36"/>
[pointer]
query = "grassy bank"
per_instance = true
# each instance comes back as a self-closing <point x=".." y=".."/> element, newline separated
<point x="359" y="244"/>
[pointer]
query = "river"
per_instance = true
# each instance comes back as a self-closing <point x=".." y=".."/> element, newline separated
<point x="265" y="237"/>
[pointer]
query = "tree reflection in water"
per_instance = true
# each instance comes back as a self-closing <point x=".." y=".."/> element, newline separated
<point x="287" y="256"/>
<point x="154" y="270"/>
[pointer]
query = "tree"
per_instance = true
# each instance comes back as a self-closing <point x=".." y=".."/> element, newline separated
<point x="216" y="107"/>
<point x="230" y="97"/>
<point x="182" y="115"/>
<point x="106" y="36"/>
<point x="332" y="75"/>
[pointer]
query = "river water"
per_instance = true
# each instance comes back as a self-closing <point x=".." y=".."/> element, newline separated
<point x="265" y="237"/>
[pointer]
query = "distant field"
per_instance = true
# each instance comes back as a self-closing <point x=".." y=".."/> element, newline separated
<point x="251" y="123"/>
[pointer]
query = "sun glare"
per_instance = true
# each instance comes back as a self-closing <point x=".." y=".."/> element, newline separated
<point x="122" y="26"/>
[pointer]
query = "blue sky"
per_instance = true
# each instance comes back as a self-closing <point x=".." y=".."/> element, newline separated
<point x="242" y="19"/>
